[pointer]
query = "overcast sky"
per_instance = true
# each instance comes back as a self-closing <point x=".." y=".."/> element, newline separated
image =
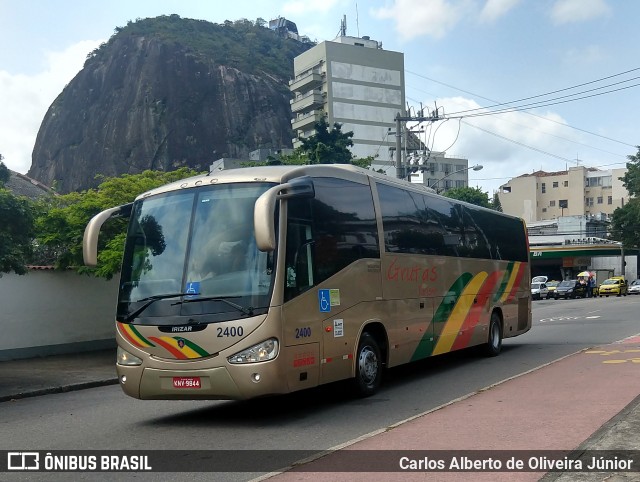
<point x="463" y="56"/>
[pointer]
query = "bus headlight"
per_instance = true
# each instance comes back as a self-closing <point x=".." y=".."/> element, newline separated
<point x="267" y="350"/>
<point x="127" y="359"/>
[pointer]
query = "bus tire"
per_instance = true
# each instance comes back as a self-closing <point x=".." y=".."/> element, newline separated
<point x="494" y="341"/>
<point x="368" y="366"/>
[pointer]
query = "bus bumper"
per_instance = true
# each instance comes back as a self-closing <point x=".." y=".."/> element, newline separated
<point x="149" y="383"/>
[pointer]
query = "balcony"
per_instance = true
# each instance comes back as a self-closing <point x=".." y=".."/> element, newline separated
<point x="306" y="121"/>
<point x="308" y="101"/>
<point x="305" y="82"/>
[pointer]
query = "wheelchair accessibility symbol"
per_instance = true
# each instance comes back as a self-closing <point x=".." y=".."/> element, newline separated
<point x="324" y="301"/>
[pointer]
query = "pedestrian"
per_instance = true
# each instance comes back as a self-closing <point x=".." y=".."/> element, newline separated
<point x="590" y="286"/>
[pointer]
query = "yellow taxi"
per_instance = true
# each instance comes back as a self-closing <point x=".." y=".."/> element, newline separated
<point x="615" y="285"/>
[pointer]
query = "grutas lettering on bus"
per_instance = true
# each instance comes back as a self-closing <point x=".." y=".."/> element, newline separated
<point x="411" y="274"/>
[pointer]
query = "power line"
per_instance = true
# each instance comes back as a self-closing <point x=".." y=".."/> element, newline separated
<point x="562" y="90"/>
<point x="544" y="132"/>
<point x="547" y="103"/>
<point x="519" y="143"/>
<point x="529" y="113"/>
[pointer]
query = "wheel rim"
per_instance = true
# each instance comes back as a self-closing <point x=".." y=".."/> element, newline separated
<point x="368" y="365"/>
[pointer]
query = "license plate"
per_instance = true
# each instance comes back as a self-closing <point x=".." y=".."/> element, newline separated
<point x="186" y="382"/>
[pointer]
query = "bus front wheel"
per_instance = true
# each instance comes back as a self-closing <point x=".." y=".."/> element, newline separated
<point x="494" y="342"/>
<point x="368" y="366"/>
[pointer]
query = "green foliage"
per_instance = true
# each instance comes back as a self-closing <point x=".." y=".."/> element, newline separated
<point x="328" y="146"/>
<point x="625" y="224"/>
<point x="4" y="172"/>
<point x="625" y="221"/>
<point x="631" y="179"/>
<point x="472" y="195"/>
<point x="61" y="220"/>
<point x="496" y="204"/>
<point x="245" y="45"/>
<point x="16" y="232"/>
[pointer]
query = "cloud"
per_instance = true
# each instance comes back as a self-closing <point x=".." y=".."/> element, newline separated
<point x="494" y="9"/>
<point x="507" y="145"/>
<point x="588" y="54"/>
<point x="414" y="18"/>
<point x="572" y="11"/>
<point x="26" y="98"/>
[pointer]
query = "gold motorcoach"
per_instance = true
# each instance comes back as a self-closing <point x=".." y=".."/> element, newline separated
<point x="268" y="280"/>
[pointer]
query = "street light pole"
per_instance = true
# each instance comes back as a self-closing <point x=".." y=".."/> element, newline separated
<point x="477" y="167"/>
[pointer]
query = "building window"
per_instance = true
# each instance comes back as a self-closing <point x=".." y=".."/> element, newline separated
<point x="609" y="199"/>
<point x="552" y="203"/>
<point x="555" y="183"/>
<point x="588" y="201"/>
<point x="544" y="210"/>
<point x="566" y="184"/>
<point x="544" y="188"/>
<point x="599" y="199"/>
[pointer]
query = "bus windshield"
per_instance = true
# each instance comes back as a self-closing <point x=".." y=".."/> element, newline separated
<point x="191" y="256"/>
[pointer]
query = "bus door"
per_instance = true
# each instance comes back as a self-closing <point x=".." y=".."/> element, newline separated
<point x="301" y="321"/>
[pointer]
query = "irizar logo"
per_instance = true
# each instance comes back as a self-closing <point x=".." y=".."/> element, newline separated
<point x="181" y="329"/>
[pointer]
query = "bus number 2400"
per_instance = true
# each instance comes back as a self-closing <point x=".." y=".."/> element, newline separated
<point x="303" y="332"/>
<point x="230" y="331"/>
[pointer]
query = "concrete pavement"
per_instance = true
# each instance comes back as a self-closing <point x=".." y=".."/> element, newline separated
<point x="587" y="401"/>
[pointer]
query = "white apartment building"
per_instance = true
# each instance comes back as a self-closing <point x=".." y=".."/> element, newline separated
<point x="354" y="82"/>
<point x="579" y="191"/>
<point x="439" y="171"/>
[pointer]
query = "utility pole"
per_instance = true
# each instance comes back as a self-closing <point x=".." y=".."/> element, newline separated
<point x="400" y="169"/>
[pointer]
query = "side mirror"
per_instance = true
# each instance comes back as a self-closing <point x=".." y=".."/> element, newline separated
<point x="264" y="210"/>
<point x="92" y="231"/>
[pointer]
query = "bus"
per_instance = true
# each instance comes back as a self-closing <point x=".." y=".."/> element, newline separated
<point x="267" y="280"/>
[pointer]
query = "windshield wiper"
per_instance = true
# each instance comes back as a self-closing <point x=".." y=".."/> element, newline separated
<point x="149" y="301"/>
<point x="241" y="309"/>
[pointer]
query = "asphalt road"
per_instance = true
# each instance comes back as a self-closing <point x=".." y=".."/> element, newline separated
<point x="318" y="419"/>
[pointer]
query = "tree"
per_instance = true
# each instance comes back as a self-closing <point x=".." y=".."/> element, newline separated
<point x="496" y="204"/>
<point x="4" y="172"/>
<point x="631" y="179"/>
<point x="625" y="221"/>
<point x="16" y="231"/>
<point x="61" y="220"/>
<point x="324" y="147"/>
<point x="472" y="195"/>
<point x="328" y="146"/>
<point x="625" y="224"/>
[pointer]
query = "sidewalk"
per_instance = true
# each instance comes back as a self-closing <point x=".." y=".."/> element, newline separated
<point x="54" y="374"/>
<point x="589" y="400"/>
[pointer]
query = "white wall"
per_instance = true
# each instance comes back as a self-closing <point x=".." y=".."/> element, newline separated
<point x="49" y="312"/>
<point x="615" y="263"/>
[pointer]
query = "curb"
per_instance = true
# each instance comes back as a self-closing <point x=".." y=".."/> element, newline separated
<point x="60" y="389"/>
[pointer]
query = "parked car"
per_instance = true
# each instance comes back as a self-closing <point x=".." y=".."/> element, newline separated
<point x="616" y="285"/>
<point x="634" y="287"/>
<point x="539" y="291"/>
<point x="570" y="289"/>
<point x="552" y="285"/>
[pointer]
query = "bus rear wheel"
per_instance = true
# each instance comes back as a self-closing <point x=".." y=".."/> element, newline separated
<point x="368" y="366"/>
<point x="494" y="342"/>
